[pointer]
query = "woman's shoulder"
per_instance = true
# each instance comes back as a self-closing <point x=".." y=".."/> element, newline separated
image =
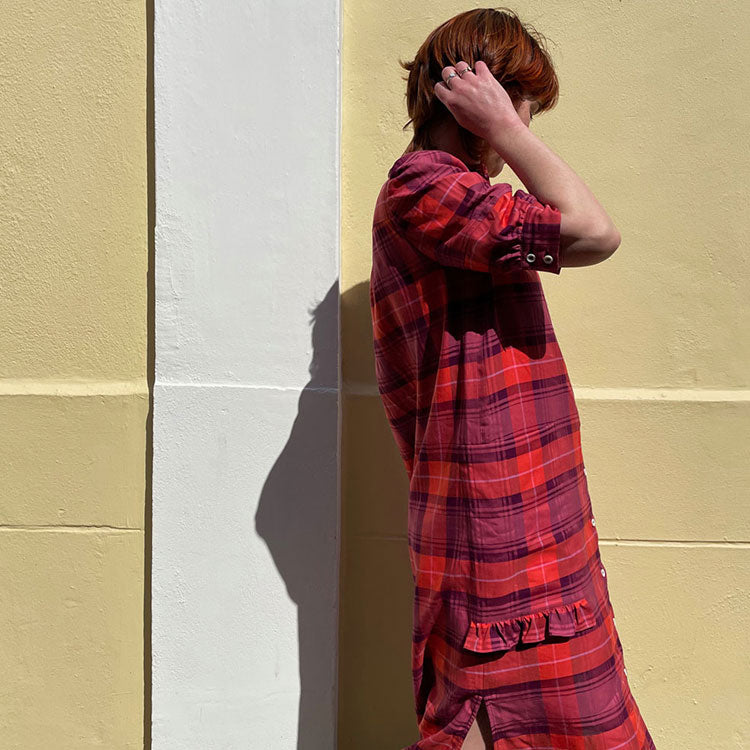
<point x="411" y="162"/>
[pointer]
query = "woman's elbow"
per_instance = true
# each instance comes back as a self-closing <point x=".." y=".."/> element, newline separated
<point x="606" y="241"/>
<point x="598" y="238"/>
<point x="611" y="241"/>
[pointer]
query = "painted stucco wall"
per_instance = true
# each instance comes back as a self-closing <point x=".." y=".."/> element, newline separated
<point x="73" y="386"/>
<point x="245" y="502"/>
<point x="652" y="114"/>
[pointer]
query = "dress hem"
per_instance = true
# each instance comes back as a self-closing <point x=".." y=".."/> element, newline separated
<point x="565" y="620"/>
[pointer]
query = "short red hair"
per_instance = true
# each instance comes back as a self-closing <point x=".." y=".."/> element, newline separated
<point x="515" y="54"/>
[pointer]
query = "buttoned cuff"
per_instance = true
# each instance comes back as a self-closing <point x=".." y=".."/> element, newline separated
<point x="537" y="241"/>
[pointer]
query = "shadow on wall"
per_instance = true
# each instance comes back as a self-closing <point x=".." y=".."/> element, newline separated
<point x="376" y="704"/>
<point x="297" y="518"/>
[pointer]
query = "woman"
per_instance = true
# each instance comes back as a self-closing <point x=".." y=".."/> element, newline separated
<point x="514" y="643"/>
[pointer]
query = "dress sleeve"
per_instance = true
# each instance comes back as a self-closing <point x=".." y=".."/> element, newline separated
<point x="457" y="218"/>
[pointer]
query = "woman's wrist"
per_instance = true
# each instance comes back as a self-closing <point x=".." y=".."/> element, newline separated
<point x="503" y="136"/>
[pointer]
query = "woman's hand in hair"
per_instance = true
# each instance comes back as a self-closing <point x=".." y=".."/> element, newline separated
<point x="476" y="99"/>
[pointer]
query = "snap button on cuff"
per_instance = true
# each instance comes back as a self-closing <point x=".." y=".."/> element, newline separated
<point x="548" y="259"/>
<point x="530" y="257"/>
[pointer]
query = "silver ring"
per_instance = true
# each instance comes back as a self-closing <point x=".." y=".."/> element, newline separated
<point x="451" y="75"/>
<point x="467" y="68"/>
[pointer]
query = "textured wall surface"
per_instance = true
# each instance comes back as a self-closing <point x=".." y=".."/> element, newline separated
<point x="245" y="553"/>
<point x="73" y="388"/>
<point x="652" y="114"/>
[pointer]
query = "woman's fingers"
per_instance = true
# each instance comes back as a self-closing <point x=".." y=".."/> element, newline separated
<point x="458" y="71"/>
<point x="475" y="98"/>
<point x="481" y="69"/>
<point x="446" y="75"/>
<point x="443" y="87"/>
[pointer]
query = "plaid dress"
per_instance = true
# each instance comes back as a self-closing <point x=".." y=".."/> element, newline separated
<point x="511" y="604"/>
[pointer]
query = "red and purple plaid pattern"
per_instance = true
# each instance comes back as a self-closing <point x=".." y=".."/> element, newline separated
<point x="511" y="603"/>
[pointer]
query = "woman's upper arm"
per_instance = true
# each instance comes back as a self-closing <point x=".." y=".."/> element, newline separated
<point x="457" y="218"/>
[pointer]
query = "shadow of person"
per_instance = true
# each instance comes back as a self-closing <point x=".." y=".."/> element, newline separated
<point x="297" y="517"/>
<point x="376" y="701"/>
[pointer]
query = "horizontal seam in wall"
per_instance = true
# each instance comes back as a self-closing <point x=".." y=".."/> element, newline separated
<point x="250" y="386"/>
<point x="616" y="394"/>
<point x="72" y="388"/>
<point x="64" y="527"/>
<point x="609" y="541"/>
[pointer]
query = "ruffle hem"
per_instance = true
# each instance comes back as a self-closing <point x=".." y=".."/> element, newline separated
<point x="566" y="620"/>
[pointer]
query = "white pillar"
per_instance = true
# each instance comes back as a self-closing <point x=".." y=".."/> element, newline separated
<point x="246" y="456"/>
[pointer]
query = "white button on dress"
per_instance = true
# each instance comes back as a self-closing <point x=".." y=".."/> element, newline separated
<point x="593" y="522"/>
<point x="603" y="573"/>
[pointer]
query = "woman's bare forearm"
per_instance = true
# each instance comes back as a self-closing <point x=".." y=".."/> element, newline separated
<point x="585" y="226"/>
<point x="481" y="104"/>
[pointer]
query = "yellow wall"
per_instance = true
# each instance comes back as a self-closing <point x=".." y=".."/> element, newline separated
<point x="652" y="115"/>
<point x="73" y="387"/>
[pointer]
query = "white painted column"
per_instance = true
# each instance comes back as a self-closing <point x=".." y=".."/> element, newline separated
<point x="245" y="503"/>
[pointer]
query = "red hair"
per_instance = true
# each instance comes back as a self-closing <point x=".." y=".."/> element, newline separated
<point x="515" y="54"/>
